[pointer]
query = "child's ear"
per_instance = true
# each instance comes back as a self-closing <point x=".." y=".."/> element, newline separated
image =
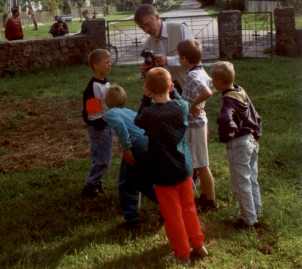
<point x="171" y="87"/>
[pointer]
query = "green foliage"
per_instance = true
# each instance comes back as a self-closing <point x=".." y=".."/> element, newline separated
<point x="53" y="6"/>
<point x="45" y="224"/>
<point x="2" y="5"/>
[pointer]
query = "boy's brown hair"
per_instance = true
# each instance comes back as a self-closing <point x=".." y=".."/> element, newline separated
<point x="144" y="10"/>
<point x="158" y="80"/>
<point x="96" y="56"/>
<point x="224" y="71"/>
<point x="190" y="49"/>
<point x="116" y="96"/>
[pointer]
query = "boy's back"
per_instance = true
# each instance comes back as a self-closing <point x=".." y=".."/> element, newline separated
<point x="122" y="121"/>
<point x="197" y="80"/>
<point x="165" y="125"/>
<point x="238" y="116"/>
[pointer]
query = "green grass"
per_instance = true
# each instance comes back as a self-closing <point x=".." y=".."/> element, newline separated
<point x="74" y="26"/>
<point x="298" y="18"/>
<point x="44" y="224"/>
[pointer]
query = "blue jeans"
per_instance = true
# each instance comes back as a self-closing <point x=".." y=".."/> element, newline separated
<point x="132" y="180"/>
<point x="243" y="161"/>
<point x="100" y="148"/>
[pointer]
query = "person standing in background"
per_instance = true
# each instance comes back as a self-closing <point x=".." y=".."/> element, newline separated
<point x="13" y="26"/>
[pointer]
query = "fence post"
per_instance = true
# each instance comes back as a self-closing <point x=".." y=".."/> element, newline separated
<point x="229" y="34"/>
<point x="285" y="32"/>
<point x="96" y="30"/>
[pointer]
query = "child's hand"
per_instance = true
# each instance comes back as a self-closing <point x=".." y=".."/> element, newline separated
<point x="128" y="157"/>
<point x="196" y="110"/>
<point x="160" y="60"/>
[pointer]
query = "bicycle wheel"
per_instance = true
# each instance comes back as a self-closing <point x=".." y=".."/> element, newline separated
<point x="114" y="53"/>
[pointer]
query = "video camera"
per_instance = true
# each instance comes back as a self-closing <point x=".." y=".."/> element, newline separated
<point x="149" y="57"/>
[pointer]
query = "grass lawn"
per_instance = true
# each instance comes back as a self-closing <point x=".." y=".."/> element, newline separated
<point x="44" y="160"/>
<point x="74" y="26"/>
<point x="298" y="21"/>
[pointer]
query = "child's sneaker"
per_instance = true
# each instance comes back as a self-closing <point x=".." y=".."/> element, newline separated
<point x="199" y="253"/>
<point x="206" y="205"/>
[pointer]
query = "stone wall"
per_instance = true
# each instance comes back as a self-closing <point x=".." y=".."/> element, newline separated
<point x="286" y="38"/>
<point x="26" y="55"/>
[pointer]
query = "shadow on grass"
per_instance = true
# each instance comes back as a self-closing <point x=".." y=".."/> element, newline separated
<point x="40" y="229"/>
<point x="51" y="256"/>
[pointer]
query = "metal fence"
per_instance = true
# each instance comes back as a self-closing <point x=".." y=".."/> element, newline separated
<point x="257" y="34"/>
<point x="128" y="38"/>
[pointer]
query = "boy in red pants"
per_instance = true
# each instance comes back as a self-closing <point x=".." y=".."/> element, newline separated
<point x="165" y="122"/>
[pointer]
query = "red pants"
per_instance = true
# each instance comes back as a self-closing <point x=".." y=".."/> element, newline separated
<point x="182" y="225"/>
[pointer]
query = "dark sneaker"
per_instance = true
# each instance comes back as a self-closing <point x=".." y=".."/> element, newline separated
<point x="92" y="191"/>
<point x="206" y="205"/>
<point x="131" y="225"/>
<point x="199" y="253"/>
<point x="184" y="262"/>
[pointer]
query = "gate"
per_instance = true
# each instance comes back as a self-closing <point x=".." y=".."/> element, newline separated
<point x="127" y="38"/>
<point x="257" y="34"/>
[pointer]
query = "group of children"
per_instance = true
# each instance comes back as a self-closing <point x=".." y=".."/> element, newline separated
<point x="165" y="143"/>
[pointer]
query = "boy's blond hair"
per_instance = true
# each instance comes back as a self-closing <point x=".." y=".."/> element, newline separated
<point x="116" y="96"/>
<point x="158" y="80"/>
<point x="191" y="50"/>
<point x="224" y="71"/>
<point x="96" y="56"/>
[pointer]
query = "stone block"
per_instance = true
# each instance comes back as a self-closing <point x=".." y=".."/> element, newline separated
<point x="230" y="35"/>
<point x="286" y="43"/>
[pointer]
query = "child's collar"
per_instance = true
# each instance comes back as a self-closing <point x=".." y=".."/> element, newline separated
<point x="103" y="81"/>
<point x="196" y="67"/>
<point x="235" y="88"/>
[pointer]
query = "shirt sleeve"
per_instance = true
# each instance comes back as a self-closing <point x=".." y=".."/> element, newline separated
<point x="100" y="90"/>
<point x="141" y="119"/>
<point x="115" y="122"/>
<point x="227" y="125"/>
<point x="185" y="34"/>
<point x="193" y="88"/>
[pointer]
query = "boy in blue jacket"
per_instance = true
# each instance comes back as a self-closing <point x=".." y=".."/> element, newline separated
<point x="134" y="145"/>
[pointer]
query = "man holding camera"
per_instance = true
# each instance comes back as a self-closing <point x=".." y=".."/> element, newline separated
<point x="162" y="42"/>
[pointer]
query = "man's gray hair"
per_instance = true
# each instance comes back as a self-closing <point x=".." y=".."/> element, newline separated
<point x="143" y="11"/>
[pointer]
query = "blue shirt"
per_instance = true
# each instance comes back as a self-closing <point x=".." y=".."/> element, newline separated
<point x="121" y="120"/>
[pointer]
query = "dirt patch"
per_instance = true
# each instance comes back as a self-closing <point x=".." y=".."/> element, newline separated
<point x="41" y="133"/>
